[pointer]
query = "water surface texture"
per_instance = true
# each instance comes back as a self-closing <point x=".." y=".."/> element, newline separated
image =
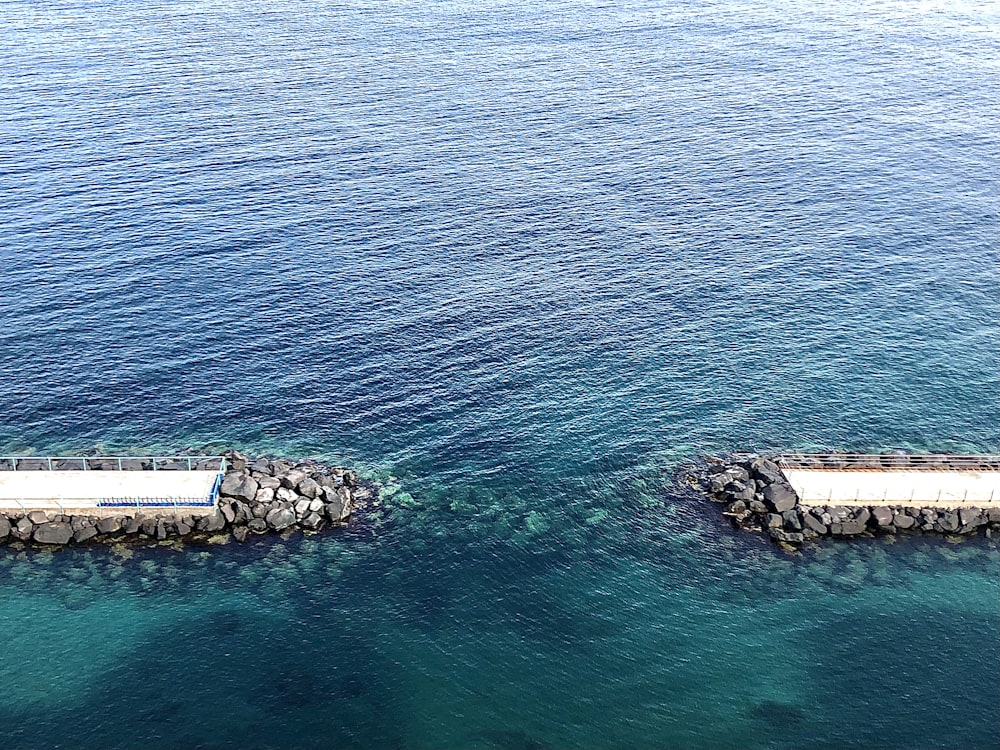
<point x="519" y="262"/>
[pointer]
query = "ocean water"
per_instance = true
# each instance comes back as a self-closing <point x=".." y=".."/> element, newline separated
<point x="520" y="264"/>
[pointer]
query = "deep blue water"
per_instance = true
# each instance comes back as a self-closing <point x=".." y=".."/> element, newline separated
<point x="518" y="262"/>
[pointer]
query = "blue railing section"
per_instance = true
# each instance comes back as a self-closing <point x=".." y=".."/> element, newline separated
<point x="129" y="463"/>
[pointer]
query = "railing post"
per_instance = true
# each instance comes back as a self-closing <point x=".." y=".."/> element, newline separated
<point x="13" y="463"/>
<point x="189" y="463"/>
<point x="154" y="463"/>
<point x="49" y="459"/>
<point x="119" y="463"/>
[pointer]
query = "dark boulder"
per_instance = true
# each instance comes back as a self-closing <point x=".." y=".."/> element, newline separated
<point x="757" y="507"/>
<point x="212" y="523"/>
<point x="240" y="533"/>
<point x="4" y="527"/>
<point x="810" y="521"/>
<point x="788" y="537"/>
<point x="882" y="517"/>
<point x="228" y="511"/>
<point x="971" y="517"/>
<point x="766" y="471"/>
<point x="308" y="487"/>
<point x="773" y="521"/>
<point x="312" y="521"/>
<point x="38" y="517"/>
<point x="132" y="525"/>
<point x="148" y="526"/>
<point x="280" y="518"/>
<point x="847" y="528"/>
<point x="791" y="520"/>
<point x="861" y="516"/>
<point x="240" y="487"/>
<point x="182" y="528"/>
<point x="948" y="520"/>
<point x="780" y="497"/>
<point x="291" y="479"/>
<point x="903" y="520"/>
<point x="84" y="533"/>
<point x="53" y="533"/>
<point x="739" y="491"/>
<point x="257" y="525"/>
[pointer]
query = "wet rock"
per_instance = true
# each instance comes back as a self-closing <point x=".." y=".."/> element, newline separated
<point x="779" y="497"/>
<point x="788" y="537"/>
<point x="182" y="528"/>
<point x="240" y="533"/>
<point x="132" y="525"/>
<point x="257" y="525"/>
<point x="53" y="533"/>
<point x="813" y="523"/>
<point x="211" y="523"/>
<point x="84" y="533"/>
<point x="847" y="528"/>
<point x="4" y="527"/>
<point x="971" y="517"/>
<point x="148" y="526"/>
<point x="739" y="491"/>
<point x="23" y="529"/>
<point x="38" y="517"/>
<point x="948" y="521"/>
<point x="791" y="520"/>
<point x="757" y="507"/>
<point x="280" y="518"/>
<point x="312" y="521"/>
<point x="773" y="520"/>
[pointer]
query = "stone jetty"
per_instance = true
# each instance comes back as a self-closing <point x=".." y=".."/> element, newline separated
<point x="757" y="495"/>
<point x="258" y="495"/>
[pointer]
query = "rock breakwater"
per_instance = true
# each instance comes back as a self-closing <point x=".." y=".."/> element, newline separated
<point x="258" y="495"/>
<point x="757" y="497"/>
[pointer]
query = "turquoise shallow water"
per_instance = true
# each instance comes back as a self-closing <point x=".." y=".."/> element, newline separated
<point x="519" y="263"/>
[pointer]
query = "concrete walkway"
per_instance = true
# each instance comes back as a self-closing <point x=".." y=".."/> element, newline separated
<point x="81" y="491"/>
<point x="926" y="489"/>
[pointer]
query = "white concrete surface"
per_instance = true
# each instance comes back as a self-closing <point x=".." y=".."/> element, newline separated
<point x="80" y="491"/>
<point x="933" y="489"/>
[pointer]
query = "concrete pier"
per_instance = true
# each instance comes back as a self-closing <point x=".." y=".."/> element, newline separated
<point x="108" y="492"/>
<point x="937" y="481"/>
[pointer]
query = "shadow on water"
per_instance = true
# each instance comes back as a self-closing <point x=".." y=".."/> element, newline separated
<point x="230" y="679"/>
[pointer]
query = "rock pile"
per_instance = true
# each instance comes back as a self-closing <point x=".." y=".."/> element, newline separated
<point x="758" y="498"/>
<point x="258" y="495"/>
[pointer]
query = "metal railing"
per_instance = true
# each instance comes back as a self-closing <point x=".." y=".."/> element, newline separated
<point x="889" y="461"/>
<point x="113" y="463"/>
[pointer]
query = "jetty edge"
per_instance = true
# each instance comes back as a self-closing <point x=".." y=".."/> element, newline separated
<point x="249" y="496"/>
<point x="799" y="498"/>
